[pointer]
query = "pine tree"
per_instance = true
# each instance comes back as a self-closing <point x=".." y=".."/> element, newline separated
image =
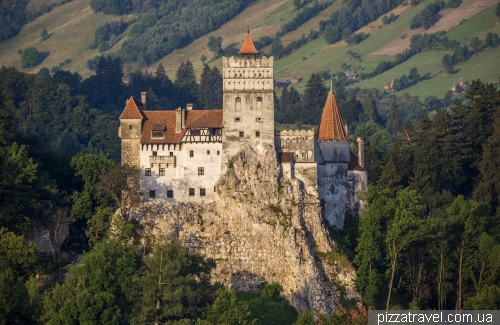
<point x="185" y="74"/>
<point x="209" y="89"/>
<point x="395" y="121"/>
<point x="276" y="47"/>
<point x="315" y="93"/>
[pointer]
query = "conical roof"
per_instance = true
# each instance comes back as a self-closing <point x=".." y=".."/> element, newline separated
<point x="248" y="48"/>
<point x="331" y="125"/>
<point x="131" y="110"/>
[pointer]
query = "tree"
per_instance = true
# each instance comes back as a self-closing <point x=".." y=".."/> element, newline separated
<point x="100" y="291"/>
<point x="44" y="35"/>
<point x="16" y="255"/>
<point x="30" y="57"/>
<point x="225" y="310"/>
<point x="315" y="93"/>
<point x="497" y="10"/>
<point x="414" y="75"/>
<point x="15" y="306"/>
<point x="276" y="47"/>
<point x="210" y="88"/>
<point x="406" y="226"/>
<point x="17" y="188"/>
<point x="214" y="44"/>
<point x="305" y="318"/>
<point x="475" y="43"/>
<point x="368" y="257"/>
<point x="447" y="63"/>
<point x="395" y="121"/>
<point x="332" y="34"/>
<point x="467" y="221"/>
<point x="175" y="285"/>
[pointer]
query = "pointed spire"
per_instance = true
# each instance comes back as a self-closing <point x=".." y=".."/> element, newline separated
<point x="331" y="126"/>
<point x="248" y="48"/>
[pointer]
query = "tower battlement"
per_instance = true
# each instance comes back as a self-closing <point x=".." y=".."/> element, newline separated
<point x="263" y="62"/>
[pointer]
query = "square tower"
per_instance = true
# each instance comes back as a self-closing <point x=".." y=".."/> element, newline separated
<point x="248" y="101"/>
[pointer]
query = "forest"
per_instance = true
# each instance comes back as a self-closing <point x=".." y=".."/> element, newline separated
<point x="427" y="238"/>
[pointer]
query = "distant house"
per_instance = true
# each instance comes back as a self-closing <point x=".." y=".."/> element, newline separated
<point x="459" y="87"/>
<point x="350" y="75"/>
<point x="295" y="79"/>
<point x="281" y="83"/>
<point x="387" y="85"/>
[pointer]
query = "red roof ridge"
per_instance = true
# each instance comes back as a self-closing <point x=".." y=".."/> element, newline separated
<point x="131" y="111"/>
<point x="331" y="126"/>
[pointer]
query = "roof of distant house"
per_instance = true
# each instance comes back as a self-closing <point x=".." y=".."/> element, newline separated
<point x="350" y="74"/>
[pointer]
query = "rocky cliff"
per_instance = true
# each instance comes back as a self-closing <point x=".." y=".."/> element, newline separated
<point x="263" y="227"/>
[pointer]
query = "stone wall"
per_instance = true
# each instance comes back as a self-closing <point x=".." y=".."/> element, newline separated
<point x="260" y="229"/>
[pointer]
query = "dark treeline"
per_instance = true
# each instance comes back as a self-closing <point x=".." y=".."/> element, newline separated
<point x="168" y="25"/>
<point x="70" y="115"/>
<point x="353" y="16"/>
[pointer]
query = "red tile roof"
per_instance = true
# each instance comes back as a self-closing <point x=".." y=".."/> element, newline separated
<point x="194" y="119"/>
<point x="248" y="47"/>
<point x="331" y="125"/>
<point x="131" y="110"/>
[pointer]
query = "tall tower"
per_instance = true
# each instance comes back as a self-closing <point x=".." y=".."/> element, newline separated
<point x="248" y="101"/>
<point x="130" y="131"/>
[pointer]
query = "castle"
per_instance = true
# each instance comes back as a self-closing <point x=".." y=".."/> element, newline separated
<point x="183" y="152"/>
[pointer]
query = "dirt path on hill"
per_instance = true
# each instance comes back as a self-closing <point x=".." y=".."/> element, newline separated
<point x="446" y="19"/>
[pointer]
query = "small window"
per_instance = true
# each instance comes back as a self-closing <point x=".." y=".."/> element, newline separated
<point x="242" y="134"/>
<point x="195" y="132"/>
<point x="155" y="153"/>
<point x="258" y="119"/>
<point x="257" y="134"/>
<point x="191" y="192"/>
<point x="237" y="119"/>
<point x="152" y="194"/>
<point x="237" y="99"/>
<point x="147" y="172"/>
<point x="162" y="172"/>
<point x="201" y="170"/>
<point x="218" y="152"/>
<point x="170" y="194"/>
<point x="202" y="192"/>
<point x="208" y="152"/>
<point x="171" y="154"/>
<point x="191" y="153"/>
<point x="130" y="127"/>
<point x="259" y="99"/>
<point x="304" y="172"/>
<point x="336" y="151"/>
<point x="304" y="155"/>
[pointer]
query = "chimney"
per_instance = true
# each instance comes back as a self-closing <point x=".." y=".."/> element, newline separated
<point x="178" y="120"/>
<point x="361" y="151"/>
<point x="143" y="99"/>
<point x="183" y="118"/>
<point x="345" y="129"/>
<point x="189" y="106"/>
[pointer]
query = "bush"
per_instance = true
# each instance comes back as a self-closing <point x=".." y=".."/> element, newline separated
<point x="30" y="57"/>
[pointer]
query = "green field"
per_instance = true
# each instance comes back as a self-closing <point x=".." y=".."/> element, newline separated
<point x="472" y="26"/>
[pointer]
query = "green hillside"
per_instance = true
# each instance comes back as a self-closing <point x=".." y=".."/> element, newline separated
<point x="72" y="26"/>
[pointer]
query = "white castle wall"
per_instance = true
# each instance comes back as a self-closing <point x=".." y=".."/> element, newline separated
<point x="184" y="175"/>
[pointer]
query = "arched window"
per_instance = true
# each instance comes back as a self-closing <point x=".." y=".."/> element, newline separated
<point x="237" y="99"/>
<point x="259" y="99"/>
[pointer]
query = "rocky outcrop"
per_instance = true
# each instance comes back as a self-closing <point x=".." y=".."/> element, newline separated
<point x="263" y="227"/>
